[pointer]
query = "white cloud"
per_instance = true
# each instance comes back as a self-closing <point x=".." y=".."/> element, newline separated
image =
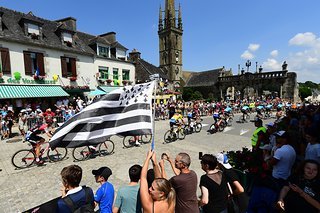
<point x="247" y="55"/>
<point x="304" y="39"/>
<point x="253" y="47"/>
<point x="271" y="65"/>
<point x="274" y="53"/>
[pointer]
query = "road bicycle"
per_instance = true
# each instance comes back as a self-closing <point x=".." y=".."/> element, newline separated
<point x="244" y="118"/>
<point x="174" y="134"/>
<point x="85" y="152"/>
<point x="130" y="141"/>
<point x="217" y="126"/>
<point x="26" y="157"/>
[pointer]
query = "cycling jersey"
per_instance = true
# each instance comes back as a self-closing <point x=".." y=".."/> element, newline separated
<point x="175" y="118"/>
<point x="228" y="109"/>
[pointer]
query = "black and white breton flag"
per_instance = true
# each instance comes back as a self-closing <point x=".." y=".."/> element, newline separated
<point x="124" y="111"/>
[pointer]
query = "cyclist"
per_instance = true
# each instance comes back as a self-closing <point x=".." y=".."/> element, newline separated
<point x="176" y="119"/>
<point x="259" y="111"/>
<point x="245" y="109"/>
<point x="33" y="137"/>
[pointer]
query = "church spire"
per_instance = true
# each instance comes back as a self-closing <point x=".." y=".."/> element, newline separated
<point x="160" y="26"/>
<point x="170" y="13"/>
<point x="180" y="18"/>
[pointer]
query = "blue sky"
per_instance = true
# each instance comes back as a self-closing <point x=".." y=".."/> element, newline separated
<point x="216" y="33"/>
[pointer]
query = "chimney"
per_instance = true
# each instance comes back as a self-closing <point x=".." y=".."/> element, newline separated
<point x="70" y="22"/>
<point x="134" y="55"/>
<point x="111" y="37"/>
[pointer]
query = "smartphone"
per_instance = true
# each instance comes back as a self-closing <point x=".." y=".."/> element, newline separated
<point x="200" y="155"/>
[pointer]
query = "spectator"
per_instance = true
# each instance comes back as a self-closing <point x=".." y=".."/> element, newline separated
<point x="71" y="178"/>
<point x="282" y="160"/>
<point x="239" y="195"/>
<point x="160" y="197"/>
<point x="128" y="198"/>
<point x="302" y="193"/>
<point x="23" y="122"/>
<point x="184" y="183"/>
<point x="258" y="137"/>
<point x="105" y="194"/>
<point x="48" y="116"/>
<point x="213" y="185"/>
<point x="313" y="147"/>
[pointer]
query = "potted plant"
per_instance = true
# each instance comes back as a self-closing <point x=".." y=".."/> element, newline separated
<point x="73" y="78"/>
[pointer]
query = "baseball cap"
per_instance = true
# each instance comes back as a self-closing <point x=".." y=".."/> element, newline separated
<point x="281" y="134"/>
<point x="266" y="147"/>
<point x="271" y="124"/>
<point x="223" y="159"/>
<point x="102" y="171"/>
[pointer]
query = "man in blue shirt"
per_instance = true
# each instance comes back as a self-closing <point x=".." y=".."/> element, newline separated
<point x="105" y="194"/>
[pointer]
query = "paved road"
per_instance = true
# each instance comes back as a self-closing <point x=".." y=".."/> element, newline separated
<point x="26" y="188"/>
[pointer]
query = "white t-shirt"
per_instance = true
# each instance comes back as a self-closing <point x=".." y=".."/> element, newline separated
<point x="313" y="152"/>
<point x="286" y="156"/>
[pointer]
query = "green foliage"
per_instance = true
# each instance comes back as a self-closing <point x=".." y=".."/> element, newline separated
<point x="304" y="92"/>
<point x="187" y="93"/>
<point x="305" y="89"/>
<point x="197" y="96"/>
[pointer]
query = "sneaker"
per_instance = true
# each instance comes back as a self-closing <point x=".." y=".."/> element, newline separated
<point x="137" y="143"/>
<point x="40" y="163"/>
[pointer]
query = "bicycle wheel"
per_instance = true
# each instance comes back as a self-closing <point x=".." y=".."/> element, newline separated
<point x="57" y="154"/>
<point x="146" y="138"/>
<point x="81" y="153"/>
<point x="181" y="134"/>
<point x="106" y="148"/>
<point x="198" y="127"/>
<point x="128" y="141"/>
<point x="169" y="136"/>
<point x="23" y="158"/>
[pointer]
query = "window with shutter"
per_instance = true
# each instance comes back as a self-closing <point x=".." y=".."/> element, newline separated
<point x="64" y="67"/>
<point x="27" y="63"/>
<point x="40" y="64"/>
<point x="73" y="67"/>
<point x="5" y="61"/>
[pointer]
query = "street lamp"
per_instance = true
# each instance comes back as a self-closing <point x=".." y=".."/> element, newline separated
<point x="248" y="64"/>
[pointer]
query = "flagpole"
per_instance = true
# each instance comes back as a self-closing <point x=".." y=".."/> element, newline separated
<point x="154" y="77"/>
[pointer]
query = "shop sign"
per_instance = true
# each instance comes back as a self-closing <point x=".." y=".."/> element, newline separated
<point x="29" y="81"/>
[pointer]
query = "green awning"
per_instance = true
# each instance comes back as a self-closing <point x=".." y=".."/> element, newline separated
<point x="31" y="91"/>
<point x="108" y="89"/>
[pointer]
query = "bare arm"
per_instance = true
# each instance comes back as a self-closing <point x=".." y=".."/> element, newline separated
<point x="238" y="188"/>
<point x="115" y="209"/>
<point x="163" y="171"/>
<point x="157" y="173"/>
<point x="146" y="199"/>
<point x="283" y="193"/>
<point x="305" y="196"/>
<point x="204" y="196"/>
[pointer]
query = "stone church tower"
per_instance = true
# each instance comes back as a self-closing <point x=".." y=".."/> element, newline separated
<point x="170" y="40"/>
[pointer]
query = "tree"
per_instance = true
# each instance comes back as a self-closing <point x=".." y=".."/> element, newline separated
<point x="304" y="92"/>
<point x="197" y="96"/>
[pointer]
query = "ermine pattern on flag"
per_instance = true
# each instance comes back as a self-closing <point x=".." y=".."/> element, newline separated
<point x="124" y="111"/>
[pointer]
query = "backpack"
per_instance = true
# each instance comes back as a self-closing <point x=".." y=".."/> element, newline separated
<point x="87" y="208"/>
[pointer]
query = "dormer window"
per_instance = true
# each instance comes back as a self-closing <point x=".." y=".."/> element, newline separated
<point x="67" y="39"/>
<point x="33" y="31"/>
<point x="103" y="51"/>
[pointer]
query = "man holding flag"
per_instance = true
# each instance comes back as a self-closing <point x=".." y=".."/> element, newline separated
<point x="124" y="111"/>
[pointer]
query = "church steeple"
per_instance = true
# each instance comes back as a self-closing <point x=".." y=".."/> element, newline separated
<point x="170" y="40"/>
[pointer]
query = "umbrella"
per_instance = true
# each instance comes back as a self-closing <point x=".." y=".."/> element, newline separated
<point x="97" y="92"/>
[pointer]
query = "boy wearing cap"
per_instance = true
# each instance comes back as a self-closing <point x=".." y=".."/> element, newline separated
<point x="237" y="189"/>
<point x="105" y="194"/>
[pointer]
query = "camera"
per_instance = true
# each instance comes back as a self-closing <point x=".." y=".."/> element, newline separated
<point x="200" y="155"/>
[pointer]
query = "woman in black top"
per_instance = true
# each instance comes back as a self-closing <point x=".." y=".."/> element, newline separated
<point x="302" y="194"/>
<point x="213" y="185"/>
